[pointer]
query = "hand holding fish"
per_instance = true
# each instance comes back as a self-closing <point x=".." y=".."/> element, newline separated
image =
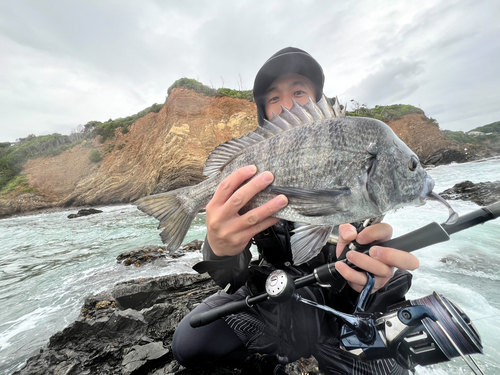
<point x="228" y="232"/>
<point x="381" y="261"/>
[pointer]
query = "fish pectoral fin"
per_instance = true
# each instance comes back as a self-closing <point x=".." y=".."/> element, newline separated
<point x="307" y="241"/>
<point x="314" y="202"/>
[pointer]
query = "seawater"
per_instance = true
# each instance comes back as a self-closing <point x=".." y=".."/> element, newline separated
<point x="49" y="264"/>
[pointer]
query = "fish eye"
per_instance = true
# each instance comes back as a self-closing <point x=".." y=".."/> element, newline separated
<point x="413" y="164"/>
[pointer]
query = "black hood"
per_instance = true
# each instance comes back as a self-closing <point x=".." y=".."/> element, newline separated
<point x="289" y="60"/>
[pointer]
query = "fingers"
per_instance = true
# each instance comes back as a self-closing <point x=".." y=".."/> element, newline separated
<point x="255" y="216"/>
<point x="231" y="183"/>
<point x="230" y="197"/>
<point x="380" y="262"/>
<point x="395" y="258"/>
<point x="227" y="232"/>
<point x="259" y="219"/>
<point x="375" y="233"/>
<point x="381" y="272"/>
<point x="347" y="234"/>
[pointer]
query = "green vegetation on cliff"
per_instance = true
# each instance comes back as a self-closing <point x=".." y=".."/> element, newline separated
<point x="199" y="87"/>
<point x="386" y="112"/>
<point x="13" y="156"/>
<point x="107" y="129"/>
<point x="489" y="140"/>
<point x="95" y="156"/>
<point x="20" y="182"/>
<point x="494" y="127"/>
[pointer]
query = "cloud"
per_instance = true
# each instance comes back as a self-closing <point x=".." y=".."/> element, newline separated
<point x="394" y="80"/>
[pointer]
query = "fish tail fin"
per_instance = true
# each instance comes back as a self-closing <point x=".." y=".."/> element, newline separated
<point x="173" y="212"/>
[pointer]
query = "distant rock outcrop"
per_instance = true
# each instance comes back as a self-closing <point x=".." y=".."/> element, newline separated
<point x="84" y="212"/>
<point x="148" y="254"/>
<point x="482" y="193"/>
<point x="421" y="136"/>
<point x="431" y="145"/>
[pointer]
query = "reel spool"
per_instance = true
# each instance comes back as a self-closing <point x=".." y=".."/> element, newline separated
<point x="451" y="335"/>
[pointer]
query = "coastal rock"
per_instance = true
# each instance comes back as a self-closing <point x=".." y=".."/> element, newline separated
<point x="457" y="155"/>
<point x="84" y="212"/>
<point x="150" y="253"/>
<point x="447" y="156"/>
<point x="129" y="329"/>
<point x="422" y="137"/>
<point x="482" y="193"/>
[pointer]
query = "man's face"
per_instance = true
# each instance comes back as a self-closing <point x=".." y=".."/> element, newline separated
<point x="284" y="89"/>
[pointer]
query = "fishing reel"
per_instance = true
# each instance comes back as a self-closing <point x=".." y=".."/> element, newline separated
<point x="424" y="331"/>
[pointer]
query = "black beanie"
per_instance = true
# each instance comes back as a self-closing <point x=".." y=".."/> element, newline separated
<point x="289" y="60"/>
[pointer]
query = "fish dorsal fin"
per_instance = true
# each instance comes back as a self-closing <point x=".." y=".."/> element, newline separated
<point x="337" y="110"/>
<point x="298" y="115"/>
<point x="314" y="110"/>
<point x="301" y="113"/>
<point x="292" y="119"/>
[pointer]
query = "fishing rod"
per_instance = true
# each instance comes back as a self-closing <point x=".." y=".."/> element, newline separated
<point x="424" y="331"/>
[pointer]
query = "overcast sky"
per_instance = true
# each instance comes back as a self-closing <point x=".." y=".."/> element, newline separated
<point x="64" y="63"/>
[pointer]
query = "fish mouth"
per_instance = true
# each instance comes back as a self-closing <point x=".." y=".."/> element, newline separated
<point x="428" y="187"/>
<point x="427" y="193"/>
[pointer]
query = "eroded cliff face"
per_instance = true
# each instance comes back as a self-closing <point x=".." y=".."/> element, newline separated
<point x="163" y="151"/>
<point x="420" y="136"/>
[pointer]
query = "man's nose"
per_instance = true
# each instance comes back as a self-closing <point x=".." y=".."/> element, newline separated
<point x="287" y="102"/>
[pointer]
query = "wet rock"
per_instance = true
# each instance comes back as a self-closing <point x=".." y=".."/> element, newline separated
<point x="141" y="355"/>
<point x="148" y="254"/>
<point x="85" y="212"/>
<point x="482" y="193"/>
<point x="458" y="155"/>
<point x="447" y="156"/>
<point x="129" y="329"/>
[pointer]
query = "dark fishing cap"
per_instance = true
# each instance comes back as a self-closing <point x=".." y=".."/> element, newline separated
<point x="289" y="60"/>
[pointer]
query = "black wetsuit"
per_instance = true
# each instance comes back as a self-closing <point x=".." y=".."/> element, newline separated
<point x="289" y="329"/>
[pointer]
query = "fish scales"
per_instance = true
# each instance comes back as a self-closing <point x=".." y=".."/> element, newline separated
<point x="319" y="156"/>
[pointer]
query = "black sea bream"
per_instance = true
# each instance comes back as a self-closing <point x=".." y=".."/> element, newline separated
<point x="333" y="169"/>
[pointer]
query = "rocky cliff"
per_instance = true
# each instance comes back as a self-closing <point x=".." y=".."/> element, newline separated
<point x="162" y="151"/>
<point x="166" y="150"/>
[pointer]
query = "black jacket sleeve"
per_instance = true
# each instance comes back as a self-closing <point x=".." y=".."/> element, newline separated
<point x="229" y="272"/>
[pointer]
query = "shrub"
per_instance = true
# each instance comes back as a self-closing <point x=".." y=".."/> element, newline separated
<point x="494" y="127"/>
<point x="95" y="156"/>
<point x="194" y="85"/>
<point x="383" y="113"/>
<point x="18" y="181"/>
<point x="107" y="129"/>
<point x="245" y="94"/>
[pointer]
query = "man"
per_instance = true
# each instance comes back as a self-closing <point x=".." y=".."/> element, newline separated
<point x="286" y="331"/>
